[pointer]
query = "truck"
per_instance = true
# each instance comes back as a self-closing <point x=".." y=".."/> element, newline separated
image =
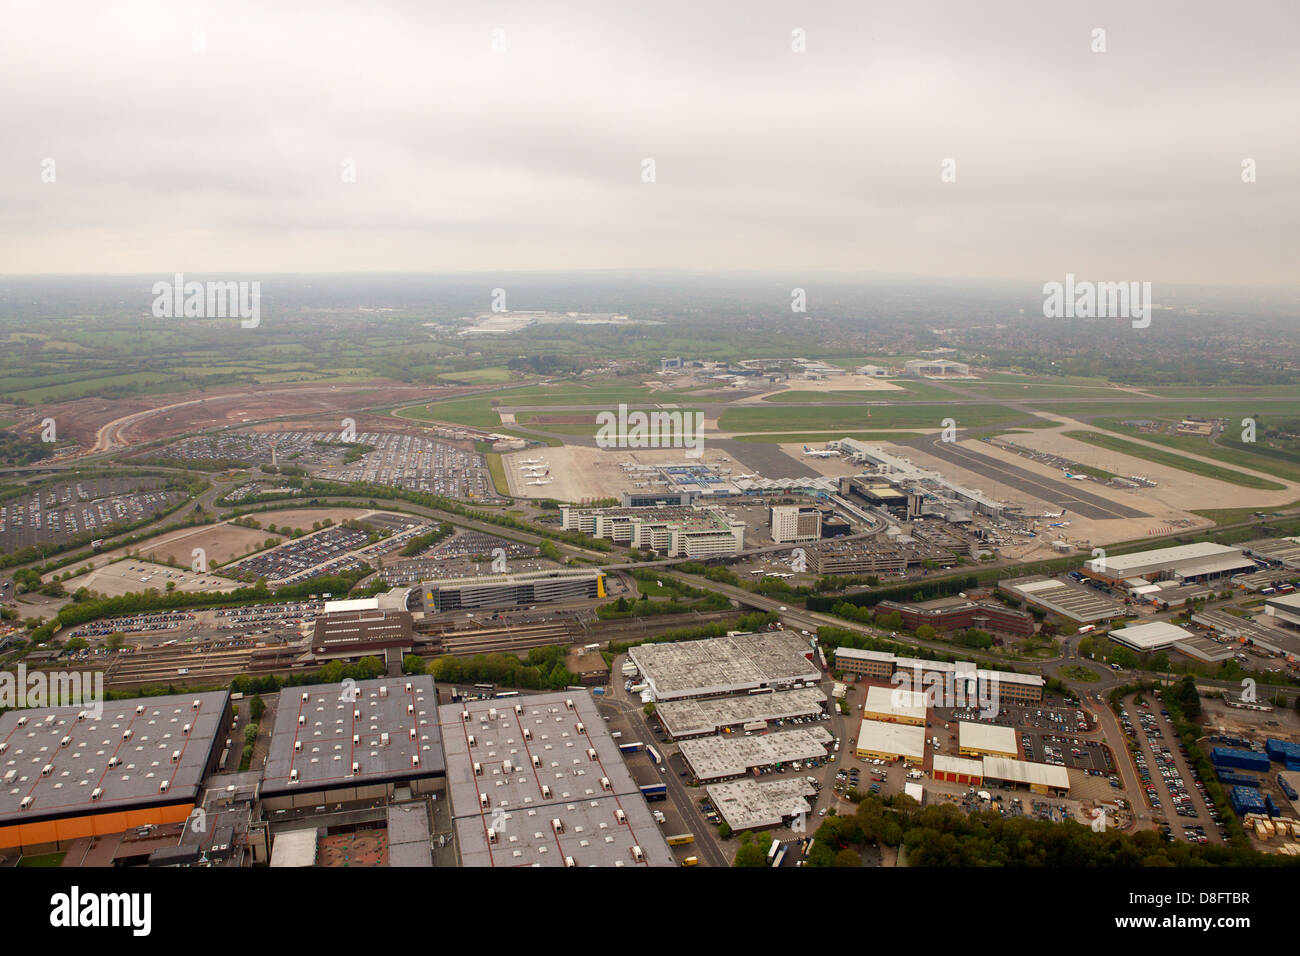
<point x="654" y="754"/>
<point x="630" y="748"/>
<point x="654" y="791"/>
<point x="630" y="669"/>
<point x="753" y="725"/>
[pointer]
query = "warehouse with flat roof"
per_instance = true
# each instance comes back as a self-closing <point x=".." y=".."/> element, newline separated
<point x="538" y="781"/>
<point x="1063" y="597"/>
<point x="1283" y="552"/>
<point x="895" y="705"/>
<point x="1202" y="560"/>
<point x="1044" y="778"/>
<point x="69" y="774"/>
<point x="711" y="715"/>
<point x="885" y="741"/>
<point x="725" y="665"/>
<point x="979" y="740"/>
<point x="722" y="758"/>
<point x="1149" y="638"/>
<point x="757" y="804"/>
<point x="958" y="770"/>
<point x="353" y="742"/>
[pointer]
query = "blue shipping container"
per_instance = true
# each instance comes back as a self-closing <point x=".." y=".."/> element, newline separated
<point x="1245" y="800"/>
<point x="1240" y="759"/>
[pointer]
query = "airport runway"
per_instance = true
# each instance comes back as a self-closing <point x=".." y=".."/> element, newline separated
<point x="1060" y="493"/>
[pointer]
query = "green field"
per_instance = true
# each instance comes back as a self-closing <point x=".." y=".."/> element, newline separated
<point x="1028" y="392"/>
<point x="766" y="418"/>
<point x="821" y="437"/>
<point x="475" y="412"/>
<point x="479" y="376"/>
<point x="1204" y="469"/>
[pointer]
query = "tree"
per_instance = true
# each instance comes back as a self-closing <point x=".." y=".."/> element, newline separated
<point x="724" y="830"/>
<point x="256" y="708"/>
<point x="649" y="709"/>
<point x="1188" y="698"/>
<point x="847" y="858"/>
<point x="925" y="632"/>
<point x="750" y="856"/>
<point x="413" y="664"/>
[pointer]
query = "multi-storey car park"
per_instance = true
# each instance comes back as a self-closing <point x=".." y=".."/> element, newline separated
<point x="69" y="775"/>
<point x="538" y="781"/>
<point x="725" y="665"/>
<point x="513" y="590"/>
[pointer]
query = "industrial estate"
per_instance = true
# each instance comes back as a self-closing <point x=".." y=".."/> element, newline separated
<point x="452" y="543"/>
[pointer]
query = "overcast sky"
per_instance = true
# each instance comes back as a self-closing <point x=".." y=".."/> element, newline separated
<point x="213" y="137"/>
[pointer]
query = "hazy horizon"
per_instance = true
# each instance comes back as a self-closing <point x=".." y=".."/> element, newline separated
<point x="204" y="140"/>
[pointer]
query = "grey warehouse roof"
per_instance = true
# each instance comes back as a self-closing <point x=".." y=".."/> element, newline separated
<point x="33" y="740"/>
<point x="322" y="730"/>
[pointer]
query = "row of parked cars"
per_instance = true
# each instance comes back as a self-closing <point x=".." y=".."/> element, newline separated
<point x="1167" y="766"/>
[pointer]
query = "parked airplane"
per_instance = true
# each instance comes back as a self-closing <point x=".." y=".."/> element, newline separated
<point x="1069" y="474"/>
<point x="533" y="461"/>
<point x="541" y="481"/>
<point x="823" y="453"/>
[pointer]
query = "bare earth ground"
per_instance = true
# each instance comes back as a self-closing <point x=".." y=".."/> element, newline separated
<point x="111" y="424"/>
<point x="220" y="541"/>
<point x="212" y="538"/>
<point x="136" y="575"/>
<point x="1283" y="723"/>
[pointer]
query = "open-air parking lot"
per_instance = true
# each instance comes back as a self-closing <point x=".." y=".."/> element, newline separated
<point x="60" y="512"/>
<point x="324" y="550"/>
<point x="1169" y="783"/>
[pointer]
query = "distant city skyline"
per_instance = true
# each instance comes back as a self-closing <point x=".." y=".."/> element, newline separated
<point x="395" y="137"/>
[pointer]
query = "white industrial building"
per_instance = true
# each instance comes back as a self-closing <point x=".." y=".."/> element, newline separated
<point x="930" y="368"/>
<point x="1149" y="638"/>
<point x="980" y="740"/>
<point x="1202" y="560"/>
